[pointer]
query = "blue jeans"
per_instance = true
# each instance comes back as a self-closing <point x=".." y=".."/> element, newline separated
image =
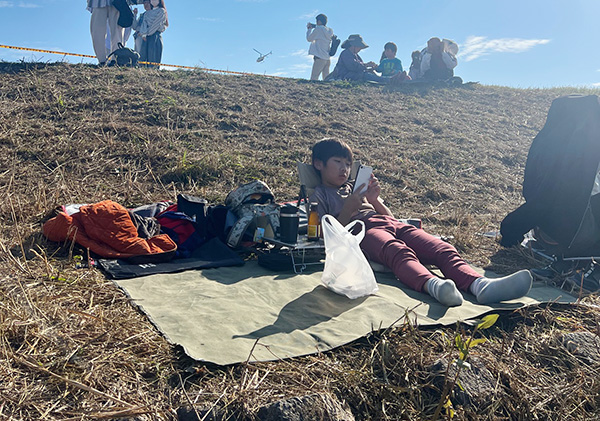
<point x="372" y="77"/>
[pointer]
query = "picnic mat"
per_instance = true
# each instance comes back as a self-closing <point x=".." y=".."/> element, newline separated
<point x="217" y="315"/>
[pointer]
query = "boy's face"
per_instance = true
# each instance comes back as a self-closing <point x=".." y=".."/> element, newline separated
<point x="335" y="171"/>
<point x="390" y="53"/>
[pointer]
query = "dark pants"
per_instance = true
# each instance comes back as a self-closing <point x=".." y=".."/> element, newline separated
<point x="152" y="49"/>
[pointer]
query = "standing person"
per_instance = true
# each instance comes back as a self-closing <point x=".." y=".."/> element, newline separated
<point x="153" y="24"/>
<point x="403" y="248"/>
<point x="319" y="36"/>
<point x="102" y="12"/>
<point x="137" y="24"/>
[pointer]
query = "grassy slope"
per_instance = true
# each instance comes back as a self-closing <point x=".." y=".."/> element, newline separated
<point x="453" y="157"/>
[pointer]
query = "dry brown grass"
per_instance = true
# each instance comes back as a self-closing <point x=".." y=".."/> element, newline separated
<point x="73" y="347"/>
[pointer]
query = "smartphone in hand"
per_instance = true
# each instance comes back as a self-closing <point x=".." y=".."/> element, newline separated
<point x="362" y="177"/>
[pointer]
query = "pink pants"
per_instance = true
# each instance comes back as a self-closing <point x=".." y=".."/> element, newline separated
<point x="405" y="249"/>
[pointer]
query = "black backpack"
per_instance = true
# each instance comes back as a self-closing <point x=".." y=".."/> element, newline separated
<point x="125" y="56"/>
<point x="125" y="13"/>
<point x="335" y="43"/>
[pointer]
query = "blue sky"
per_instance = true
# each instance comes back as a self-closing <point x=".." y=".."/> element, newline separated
<point x="527" y="43"/>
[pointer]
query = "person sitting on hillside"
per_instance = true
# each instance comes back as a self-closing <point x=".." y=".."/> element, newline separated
<point x="401" y="247"/>
<point x="149" y="27"/>
<point x="438" y="59"/>
<point x="415" y="67"/>
<point x="351" y="67"/>
<point x="390" y="65"/>
<point x="319" y="36"/>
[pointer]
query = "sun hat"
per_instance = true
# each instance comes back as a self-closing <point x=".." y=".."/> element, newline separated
<point x="354" y="40"/>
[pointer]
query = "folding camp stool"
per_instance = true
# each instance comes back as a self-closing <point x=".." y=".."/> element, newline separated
<point x="298" y="251"/>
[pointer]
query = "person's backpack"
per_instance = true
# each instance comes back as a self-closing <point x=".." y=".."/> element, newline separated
<point x="125" y="56"/>
<point x="254" y="205"/>
<point x="125" y="13"/>
<point x="335" y="43"/>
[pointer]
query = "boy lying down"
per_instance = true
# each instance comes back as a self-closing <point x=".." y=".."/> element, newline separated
<point x="403" y="248"/>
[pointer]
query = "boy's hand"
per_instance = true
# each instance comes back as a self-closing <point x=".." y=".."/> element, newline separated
<point x="374" y="190"/>
<point x="351" y="204"/>
<point x="372" y="195"/>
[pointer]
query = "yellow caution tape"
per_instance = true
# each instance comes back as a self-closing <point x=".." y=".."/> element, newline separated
<point x="141" y="62"/>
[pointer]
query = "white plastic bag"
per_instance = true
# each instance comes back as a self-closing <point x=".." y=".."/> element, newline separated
<point x="347" y="271"/>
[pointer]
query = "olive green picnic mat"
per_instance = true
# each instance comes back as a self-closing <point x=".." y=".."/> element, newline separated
<point x="217" y="315"/>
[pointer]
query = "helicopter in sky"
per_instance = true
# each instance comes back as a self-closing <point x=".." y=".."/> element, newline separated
<point x="261" y="56"/>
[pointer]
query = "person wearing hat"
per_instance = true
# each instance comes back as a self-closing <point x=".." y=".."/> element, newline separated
<point x="319" y="36"/>
<point x="351" y="67"/>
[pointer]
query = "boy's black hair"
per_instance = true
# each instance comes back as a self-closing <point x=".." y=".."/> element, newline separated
<point x="321" y="18"/>
<point x="389" y="46"/>
<point x="328" y="148"/>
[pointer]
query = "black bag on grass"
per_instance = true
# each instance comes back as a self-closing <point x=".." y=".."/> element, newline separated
<point x="125" y="56"/>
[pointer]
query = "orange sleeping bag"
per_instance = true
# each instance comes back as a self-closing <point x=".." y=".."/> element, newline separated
<point x="107" y="229"/>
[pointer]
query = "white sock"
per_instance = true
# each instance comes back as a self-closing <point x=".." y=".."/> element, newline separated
<point x="445" y="291"/>
<point x="493" y="290"/>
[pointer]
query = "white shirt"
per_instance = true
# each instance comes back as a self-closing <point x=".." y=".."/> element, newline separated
<point x="320" y="41"/>
<point x="448" y="59"/>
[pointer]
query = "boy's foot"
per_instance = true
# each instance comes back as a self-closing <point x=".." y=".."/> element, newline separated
<point x="493" y="290"/>
<point x="445" y="291"/>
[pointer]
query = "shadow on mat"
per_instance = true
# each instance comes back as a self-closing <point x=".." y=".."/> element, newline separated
<point x="435" y="311"/>
<point x="310" y="309"/>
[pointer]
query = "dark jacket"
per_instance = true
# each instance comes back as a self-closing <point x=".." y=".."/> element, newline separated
<point x="559" y="178"/>
<point x="350" y="66"/>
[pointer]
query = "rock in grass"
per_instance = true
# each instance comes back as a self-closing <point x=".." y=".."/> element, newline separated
<point x="585" y="345"/>
<point x="478" y="383"/>
<point x="318" y="406"/>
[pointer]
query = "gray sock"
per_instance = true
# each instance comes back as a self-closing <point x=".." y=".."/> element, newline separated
<point x="493" y="290"/>
<point x="445" y="291"/>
